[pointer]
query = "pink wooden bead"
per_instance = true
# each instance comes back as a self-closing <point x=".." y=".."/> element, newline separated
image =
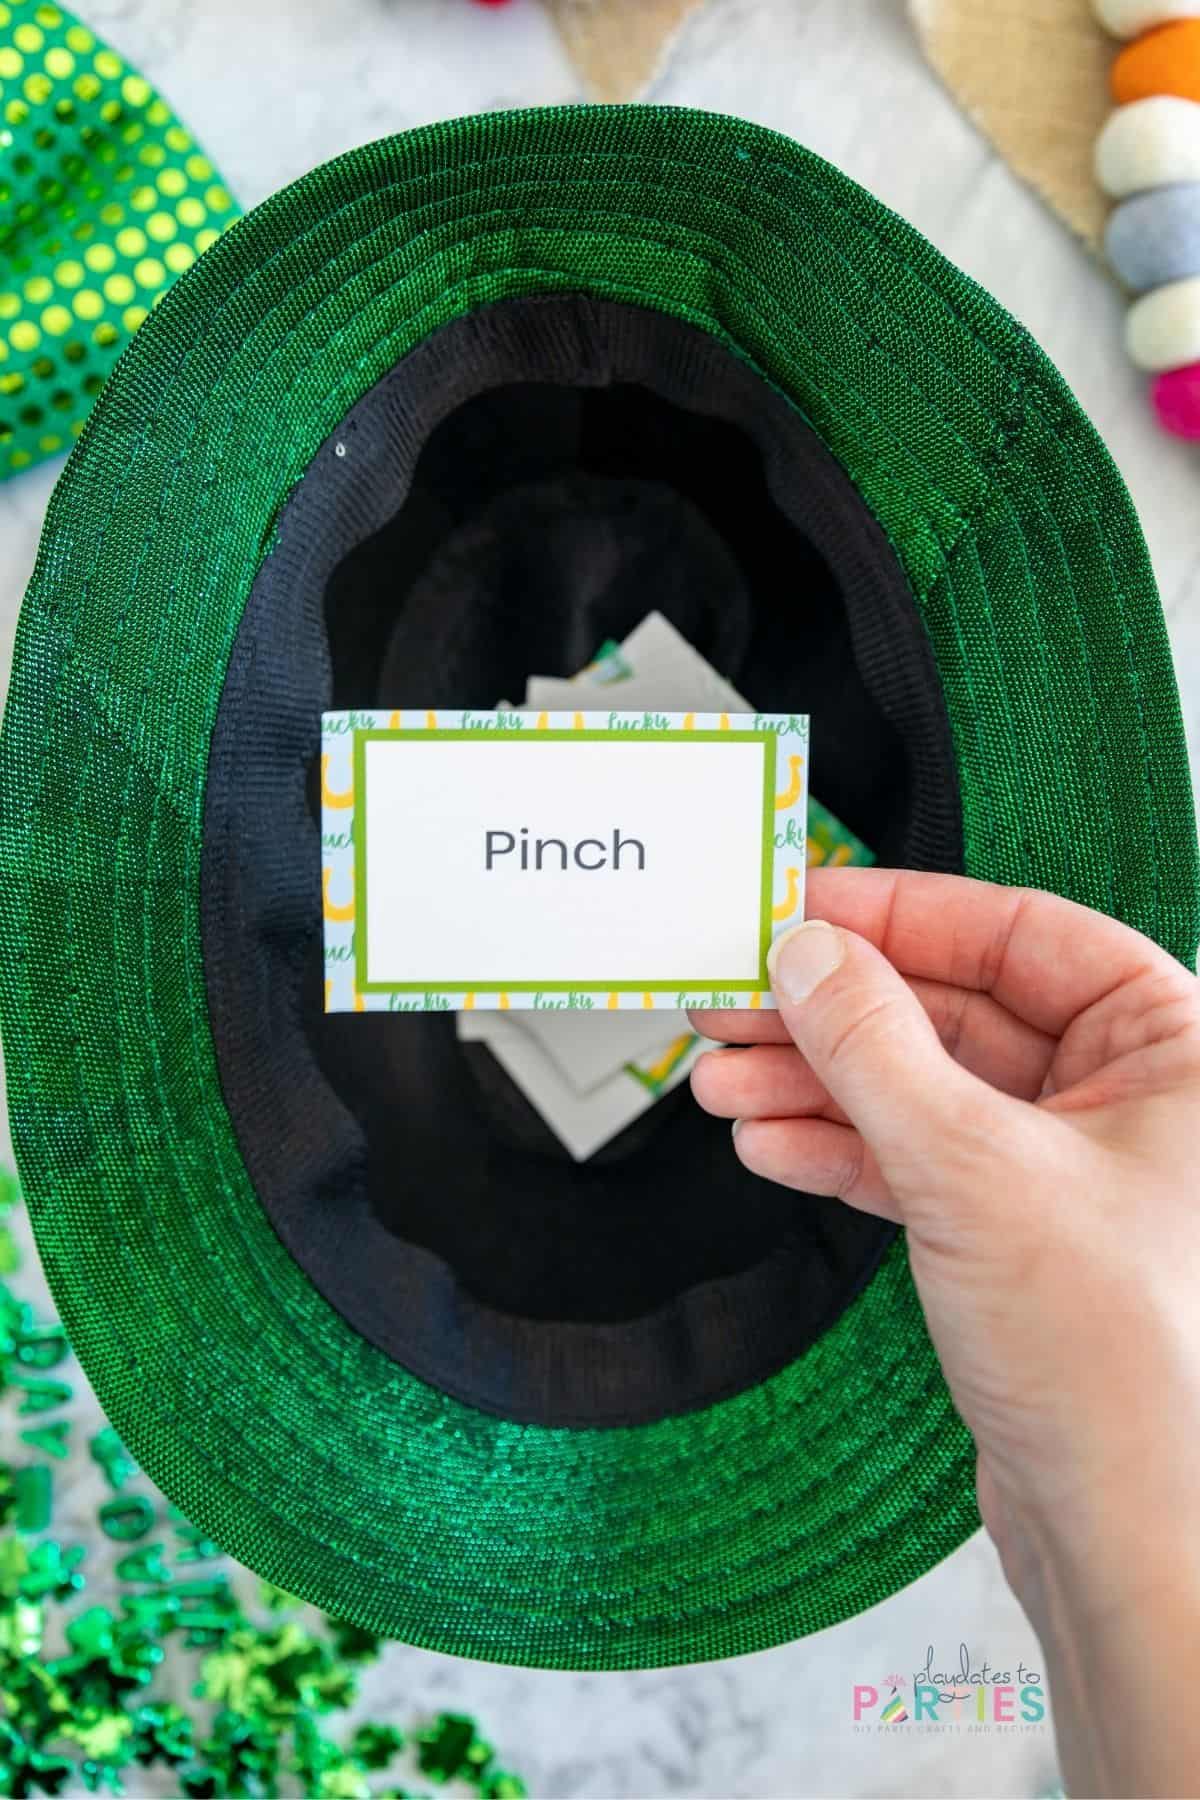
<point x="1176" y="397"/>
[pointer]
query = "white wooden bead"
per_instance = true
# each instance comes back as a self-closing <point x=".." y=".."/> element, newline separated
<point x="1162" y="330"/>
<point x="1129" y="18"/>
<point x="1148" y="144"/>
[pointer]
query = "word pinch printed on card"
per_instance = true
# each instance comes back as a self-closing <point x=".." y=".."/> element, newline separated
<point x="558" y="861"/>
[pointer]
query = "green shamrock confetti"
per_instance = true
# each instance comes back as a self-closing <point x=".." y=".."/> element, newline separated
<point x="79" y="1721"/>
<point x="374" y="1746"/>
<point x="162" y="1734"/>
<point x="451" y="1749"/>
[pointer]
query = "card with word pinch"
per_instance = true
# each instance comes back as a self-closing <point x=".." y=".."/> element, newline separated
<point x="558" y="860"/>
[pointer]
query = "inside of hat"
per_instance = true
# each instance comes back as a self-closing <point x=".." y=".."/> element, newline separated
<point x="531" y="482"/>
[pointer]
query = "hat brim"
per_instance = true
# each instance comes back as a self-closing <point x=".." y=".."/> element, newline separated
<point x="295" y="1444"/>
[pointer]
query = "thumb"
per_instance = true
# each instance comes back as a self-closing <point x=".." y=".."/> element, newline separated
<point x="868" y="1039"/>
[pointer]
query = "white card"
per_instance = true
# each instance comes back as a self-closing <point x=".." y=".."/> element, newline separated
<point x="588" y="1047"/>
<point x="582" y="1122"/>
<point x="608" y="859"/>
<point x="668" y="674"/>
<point x="655" y="667"/>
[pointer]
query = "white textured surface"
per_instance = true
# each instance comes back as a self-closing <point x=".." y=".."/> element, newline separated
<point x="275" y="86"/>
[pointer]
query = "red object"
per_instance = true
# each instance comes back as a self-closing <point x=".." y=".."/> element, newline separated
<point x="1176" y="397"/>
<point x="491" y="2"/>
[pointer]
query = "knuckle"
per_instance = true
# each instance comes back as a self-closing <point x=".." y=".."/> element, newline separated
<point x="848" y="1178"/>
<point x="954" y="1021"/>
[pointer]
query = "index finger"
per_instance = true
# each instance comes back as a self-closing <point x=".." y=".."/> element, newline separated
<point x="1045" y="959"/>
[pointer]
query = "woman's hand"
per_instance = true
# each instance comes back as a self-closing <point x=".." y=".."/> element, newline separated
<point x="1016" y="1080"/>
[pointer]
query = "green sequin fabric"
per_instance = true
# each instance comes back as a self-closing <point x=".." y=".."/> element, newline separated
<point x="105" y="199"/>
<point x="286" y="1437"/>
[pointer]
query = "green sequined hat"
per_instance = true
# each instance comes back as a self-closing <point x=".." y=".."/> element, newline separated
<point x="104" y="199"/>
<point x="461" y="405"/>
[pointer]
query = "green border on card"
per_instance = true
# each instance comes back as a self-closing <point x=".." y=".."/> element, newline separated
<point x="364" y="735"/>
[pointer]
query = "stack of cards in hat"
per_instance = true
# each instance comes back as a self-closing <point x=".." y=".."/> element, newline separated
<point x="590" y="1074"/>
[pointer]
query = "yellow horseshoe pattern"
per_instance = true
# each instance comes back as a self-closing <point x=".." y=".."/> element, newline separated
<point x="335" y="802"/>
<point x="791" y="899"/>
<point x="337" y="914"/>
<point x="795" y="785"/>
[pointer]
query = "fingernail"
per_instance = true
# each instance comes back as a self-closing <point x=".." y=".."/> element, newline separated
<point x="735" y="1128"/>
<point x="801" y="959"/>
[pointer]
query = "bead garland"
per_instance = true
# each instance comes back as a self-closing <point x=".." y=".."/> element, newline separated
<point x="1148" y="162"/>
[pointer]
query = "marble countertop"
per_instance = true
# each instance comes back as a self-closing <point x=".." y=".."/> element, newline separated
<point x="272" y="88"/>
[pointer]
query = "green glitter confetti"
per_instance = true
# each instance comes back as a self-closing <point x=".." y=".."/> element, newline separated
<point x="14" y="1317"/>
<point x="35" y="1496"/>
<point x="41" y="1396"/>
<point x="162" y="1734"/>
<point x="501" y="1786"/>
<point x="8" y="1494"/>
<point x="196" y="1547"/>
<point x="244" y="1752"/>
<point x="129" y="1517"/>
<point x="157" y="1612"/>
<point x="52" y="1572"/>
<point x="451" y="1749"/>
<point x="147" y="1564"/>
<point x="353" y="1644"/>
<point x="109" y="1452"/>
<point x="275" y="1599"/>
<point x="103" y="1735"/>
<point x="53" y="1439"/>
<point x="21" y="1629"/>
<point x="10" y="1256"/>
<point x="78" y="1722"/>
<point x="374" y="1746"/>
<point x="25" y="1770"/>
<point x="42" y="1346"/>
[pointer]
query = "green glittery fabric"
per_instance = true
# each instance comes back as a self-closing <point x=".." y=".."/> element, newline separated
<point x="284" y="1435"/>
<point x="105" y="199"/>
<point x="86" y="1650"/>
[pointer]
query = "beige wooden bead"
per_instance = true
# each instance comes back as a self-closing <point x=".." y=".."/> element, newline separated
<point x="1148" y="144"/>
<point x="1128" y="18"/>
<point x="1162" y="330"/>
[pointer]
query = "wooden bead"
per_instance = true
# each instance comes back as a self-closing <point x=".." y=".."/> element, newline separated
<point x="1166" y="61"/>
<point x="1129" y="18"/>
<point x="1154" y="238"/>
<point x="1176" y="397"/>
<point x="1162" y="330"/>
<point x="1148" y="144"/>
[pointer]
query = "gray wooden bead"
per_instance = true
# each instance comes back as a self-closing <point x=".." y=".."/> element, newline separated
<point x="1154" y="238"/>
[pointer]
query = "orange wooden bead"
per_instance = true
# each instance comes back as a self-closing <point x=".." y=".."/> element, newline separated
<point x="1166" y="61"/>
